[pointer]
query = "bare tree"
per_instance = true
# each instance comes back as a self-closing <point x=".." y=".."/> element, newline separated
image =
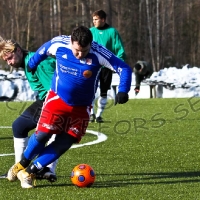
<point x="157" y="66"/>
<point x="150" y="34"/>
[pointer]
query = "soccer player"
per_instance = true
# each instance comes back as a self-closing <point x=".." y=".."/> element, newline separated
<point x="66" y="109"/>
<point x="142" y="70"/>
<point x="17" y="57"/>
<point x="109" y="37"/>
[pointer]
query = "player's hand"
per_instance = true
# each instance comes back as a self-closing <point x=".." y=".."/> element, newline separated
<point x="31" y="70"/>
<point x="137" y="90"/>
<point x="121" y="97"/>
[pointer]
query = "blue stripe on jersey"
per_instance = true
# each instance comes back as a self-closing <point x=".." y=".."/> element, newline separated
<point x="63" y="38"/>
<point x="75" y="81"/>
<point x="101" y="49"/>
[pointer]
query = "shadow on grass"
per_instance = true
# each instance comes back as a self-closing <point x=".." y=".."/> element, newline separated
<point x="6" y="138"/>
<point x="123" y="180"/>
<point x="148" y="178"/>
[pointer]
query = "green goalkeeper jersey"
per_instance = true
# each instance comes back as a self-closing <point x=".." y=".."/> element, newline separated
<point x="109" y="37"/>
<point x="40" y="81"/>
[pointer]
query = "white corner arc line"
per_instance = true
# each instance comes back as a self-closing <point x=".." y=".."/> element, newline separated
<point x="101" y="137"/>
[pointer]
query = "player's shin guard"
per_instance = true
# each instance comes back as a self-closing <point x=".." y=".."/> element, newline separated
<point x="34" y="147"/>
<point x="47" y="156"/>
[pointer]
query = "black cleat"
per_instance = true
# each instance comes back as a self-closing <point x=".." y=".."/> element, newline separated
<point x="99" y="120"/>
<point x="46" y="173"/>
<point x="92" y="118"/>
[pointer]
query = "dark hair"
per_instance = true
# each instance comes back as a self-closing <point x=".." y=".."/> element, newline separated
<point x="82" y="35"/>
<point x="100" y="13"/>
<point x="138" y="66"/>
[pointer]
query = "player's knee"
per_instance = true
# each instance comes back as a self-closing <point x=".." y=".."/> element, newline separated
<point x="42" y="137"/>
<point x="18" y="129"/>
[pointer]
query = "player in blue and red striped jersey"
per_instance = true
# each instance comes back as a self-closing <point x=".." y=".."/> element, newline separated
<point x="66" y="109"/>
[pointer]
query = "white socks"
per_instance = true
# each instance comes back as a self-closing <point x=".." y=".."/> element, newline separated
<point x="19" y="147"/>
<point x="102" y="101"/>
<point x="92" y="109"/>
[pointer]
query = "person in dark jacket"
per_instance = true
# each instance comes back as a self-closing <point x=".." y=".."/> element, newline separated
<point x="142" y="70"/>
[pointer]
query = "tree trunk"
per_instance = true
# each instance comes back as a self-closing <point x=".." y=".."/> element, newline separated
<point x="59" y="18"/>
<point x="150" y="35"/>
<point x="157" y="36"/>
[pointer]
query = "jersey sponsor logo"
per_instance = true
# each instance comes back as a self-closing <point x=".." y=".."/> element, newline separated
<point x="87" y="61"/>
<point x="87" y="73"/>
<point x="74" y="130"/>
<point x="49" y="126"/>
<point x="68" y="70"/>
<point x="42" y="51"/>
<point x="64" y="56"/>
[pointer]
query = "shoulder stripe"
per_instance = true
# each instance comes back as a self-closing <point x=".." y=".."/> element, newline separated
<point x="101" y="49"/>
<point x="62" y="38"/>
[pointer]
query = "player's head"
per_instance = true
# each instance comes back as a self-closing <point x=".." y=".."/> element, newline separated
<point x="81" y="39"/>
<point x="99" y="18"/>
<point x="138" y="66"/>
<point x="11" y="52"/>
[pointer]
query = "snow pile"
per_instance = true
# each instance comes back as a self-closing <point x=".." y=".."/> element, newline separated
<point x="169" y="82"/>
<point x="176" y="78"/>
<point x="15" y="87"/>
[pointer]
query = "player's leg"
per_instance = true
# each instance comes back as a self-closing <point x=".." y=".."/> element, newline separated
<point x="92" y="113"/>
<point x="52" y="166"/>
<point x="48" y="172"/>
<point x="36" y="144"/>
<point x="26" y="122"/>
<point x="105" y="83"/>
<point x="68" y="122"/>
<point x="33" y="142"/>
<point x="74" y="129"/>
<point x="49" y="154"/>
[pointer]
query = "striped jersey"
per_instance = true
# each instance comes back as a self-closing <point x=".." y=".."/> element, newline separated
<point x="76" y="80"/>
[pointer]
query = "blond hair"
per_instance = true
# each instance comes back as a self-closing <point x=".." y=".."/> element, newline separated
<point x="7" y="46"/>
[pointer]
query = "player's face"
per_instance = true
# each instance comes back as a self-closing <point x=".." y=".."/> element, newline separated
<point x="98" y="22"/>
<point x="14" y="59"/>
<point x="80" y="52"/>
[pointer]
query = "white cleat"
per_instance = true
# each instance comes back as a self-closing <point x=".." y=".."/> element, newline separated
<point x="26" y="179"/>
<point x="13" y="171"/>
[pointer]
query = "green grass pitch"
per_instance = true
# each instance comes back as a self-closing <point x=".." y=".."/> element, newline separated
<point x="152" y="153"/>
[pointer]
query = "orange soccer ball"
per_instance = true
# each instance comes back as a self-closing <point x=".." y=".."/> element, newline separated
<point x="83" y="175"/>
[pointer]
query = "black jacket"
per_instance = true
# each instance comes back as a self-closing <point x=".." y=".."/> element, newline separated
<point x="146" y="72"/>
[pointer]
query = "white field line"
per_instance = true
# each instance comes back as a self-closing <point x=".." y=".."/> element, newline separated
<point x="101" y="137"/>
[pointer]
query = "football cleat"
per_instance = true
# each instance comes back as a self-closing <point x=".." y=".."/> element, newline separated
<point x="12" y="172"/>
<point x="92" y="118"/>
<point x="99" y="120"/>
<point x="46" y="173"/>
<point x="26" y="179"/>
